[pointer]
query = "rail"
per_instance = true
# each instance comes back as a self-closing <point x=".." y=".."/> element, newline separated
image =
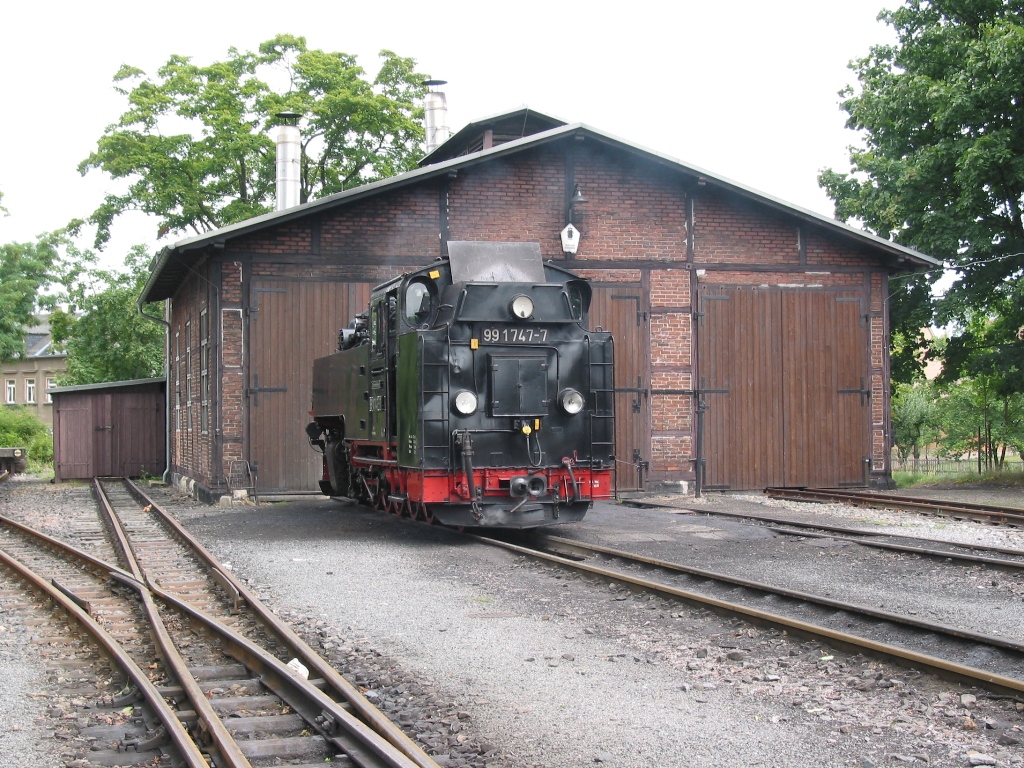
<point x="988" y="513"/>
<point x="571" y="554"/>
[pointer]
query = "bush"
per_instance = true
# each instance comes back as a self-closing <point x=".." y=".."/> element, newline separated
<point x="20" y="429"/>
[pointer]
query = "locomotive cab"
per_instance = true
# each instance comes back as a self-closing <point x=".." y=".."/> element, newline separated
<point x="476" y="397"/>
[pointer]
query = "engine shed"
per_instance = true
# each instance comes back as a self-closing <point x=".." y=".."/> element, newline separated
<point x="751" y="335"/>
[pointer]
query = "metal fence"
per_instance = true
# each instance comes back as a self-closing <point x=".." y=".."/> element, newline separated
<point x="936" y="466"/>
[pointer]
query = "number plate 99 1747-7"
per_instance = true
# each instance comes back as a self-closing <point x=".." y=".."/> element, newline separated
<point x="513" y="335"/>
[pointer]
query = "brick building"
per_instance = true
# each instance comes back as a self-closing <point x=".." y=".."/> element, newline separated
<point x="751" y="335"/>
<point x="27" y="378"/>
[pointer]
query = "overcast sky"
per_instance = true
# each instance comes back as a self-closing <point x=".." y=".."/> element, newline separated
<point x="744" y="89"/>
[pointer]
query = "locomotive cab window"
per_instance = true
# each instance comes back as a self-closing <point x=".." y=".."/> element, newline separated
<point x="377" y="328"/>
<point x="578" y="294"/>
<point x="420" y="303"/>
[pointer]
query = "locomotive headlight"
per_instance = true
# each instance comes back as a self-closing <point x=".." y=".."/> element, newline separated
<point x="465" y="402"/>
<point x="521" y="307"/>
<point x="572" y="401"/>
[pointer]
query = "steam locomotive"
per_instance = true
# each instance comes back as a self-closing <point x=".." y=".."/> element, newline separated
<point x="471" y="393"/>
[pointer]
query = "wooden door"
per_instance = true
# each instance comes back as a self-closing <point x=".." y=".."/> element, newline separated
<point x="739" y="373"/>
<point x="825" y="356"/>
<point x="291" y="323"/>
<point x="73" y="436"/>
<point x="103" y="437"/>
<point x="138" y="434"/>
<point x="784" y="380"/>
<point x="622" y="310"/>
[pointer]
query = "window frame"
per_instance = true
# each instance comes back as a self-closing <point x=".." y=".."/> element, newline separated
<point x="204" y="372"/>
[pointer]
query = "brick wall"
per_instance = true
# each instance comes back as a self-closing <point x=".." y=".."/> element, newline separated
<point x="191" y="446"/>
<point x="671" y="331"/>
<point x="634" y="210"/>
<point x="520" y="199"/>
<point x="727" y="229"/>
<point x="824" y="250"/>
<point x="403" y="222"/>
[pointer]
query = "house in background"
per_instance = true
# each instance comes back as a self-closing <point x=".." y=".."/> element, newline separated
<point x="751" y="335"/>
<point x="26" y="379"/>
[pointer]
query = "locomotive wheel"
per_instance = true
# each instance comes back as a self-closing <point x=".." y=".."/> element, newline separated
<point x="395" y="508"/>
<point x="409" y="509"/>
<point x="425" y="514"/>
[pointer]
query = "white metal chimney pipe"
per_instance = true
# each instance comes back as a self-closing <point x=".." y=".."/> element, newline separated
<point x="289" y="152"/>
<point x="435" y="116"/>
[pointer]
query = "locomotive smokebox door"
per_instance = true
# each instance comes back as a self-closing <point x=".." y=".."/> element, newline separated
<point x="519" y="386"/>
<point x="495" y="262"/>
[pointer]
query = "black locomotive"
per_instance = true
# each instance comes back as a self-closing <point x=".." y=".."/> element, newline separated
<point x="471" y="393"/>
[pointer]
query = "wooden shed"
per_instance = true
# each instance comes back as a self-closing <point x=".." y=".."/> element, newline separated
<point x="751" y="335"/>
<point x="115" y="429"/>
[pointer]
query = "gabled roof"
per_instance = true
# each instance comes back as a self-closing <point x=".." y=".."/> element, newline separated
<point x="171" y="265"/>
<point x="503" y="127"/>
<point x="38" y="341"/>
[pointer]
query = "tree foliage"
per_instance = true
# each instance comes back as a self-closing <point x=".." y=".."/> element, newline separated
<point x="24" y="269"/>
<point x="967" y="417"/>
<point x="101" y="330"/>
<point x="193" y="144"/>
<point x="19" y="428"/>
<point x="977" y="419"/>
<point x="915" y="418"/>
<point x="941" y="114"/>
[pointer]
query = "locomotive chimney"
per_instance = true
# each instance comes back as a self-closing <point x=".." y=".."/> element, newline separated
<point x="289" y="151"/>
<point x="435" y="115"/>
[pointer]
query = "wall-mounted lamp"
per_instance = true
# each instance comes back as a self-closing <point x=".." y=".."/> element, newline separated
<point x="577" y="198"/>
<point x="570" y="235"/>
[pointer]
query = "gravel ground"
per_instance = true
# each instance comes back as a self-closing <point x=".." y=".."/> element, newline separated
<point x="26" y="738"/>
<point x="971" y="597"/>
<point x="496" y="660"/>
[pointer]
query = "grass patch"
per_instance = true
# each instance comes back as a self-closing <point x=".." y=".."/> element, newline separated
<point x="1007" y="478"/>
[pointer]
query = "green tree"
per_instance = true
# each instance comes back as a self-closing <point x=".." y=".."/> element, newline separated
<point x="193" y="143"/>
<point x="941" y="169"/>
<point x="977" y="418"/>
<point x="102" y="332"/>
<point x="24" y="269"/>
<point x="914" y="419"/>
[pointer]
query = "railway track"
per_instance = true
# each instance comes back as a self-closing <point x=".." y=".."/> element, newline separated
<point x="245" y="689"/>
<point x="945" y="549"/>
<point x="986" y="513"/>
<point x="993" y="662"/>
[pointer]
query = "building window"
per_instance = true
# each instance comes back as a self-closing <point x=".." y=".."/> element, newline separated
<point x="50" y="384"/>
<point x="204" y="372"/>
<point x="30" y="390"/>
<point x="10" y="392"/>
<point x="177" y="381"/>
<point x="188" y="375"/>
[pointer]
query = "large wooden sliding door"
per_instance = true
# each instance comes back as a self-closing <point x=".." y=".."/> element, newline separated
<point x="621" y="309"/>
<point x="290" y="324"/>
<point x="783" y="374"/>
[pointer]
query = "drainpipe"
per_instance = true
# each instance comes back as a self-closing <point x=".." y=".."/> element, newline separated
<point x="166" y="477"/>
